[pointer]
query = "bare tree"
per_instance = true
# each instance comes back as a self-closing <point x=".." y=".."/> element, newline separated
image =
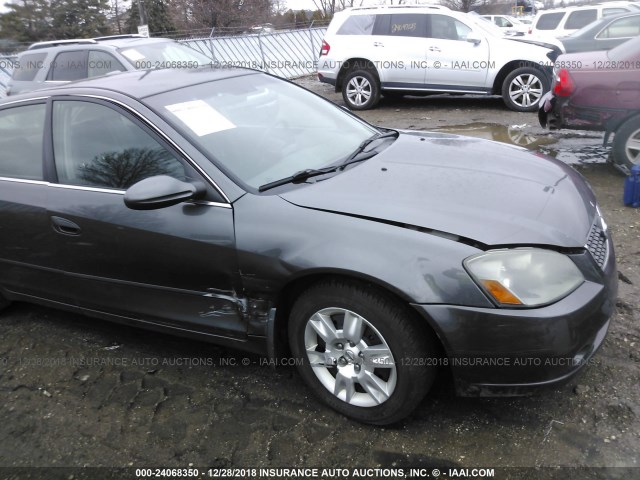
<point x="463" y="5"/>
<point x="326" y="7"/>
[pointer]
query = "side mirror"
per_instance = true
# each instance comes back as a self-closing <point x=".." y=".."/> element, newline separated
<point x="161" y="191"/>
<point x="474" y="38"/>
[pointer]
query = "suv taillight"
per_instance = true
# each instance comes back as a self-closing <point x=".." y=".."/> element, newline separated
<point x="325" y="48"/>
<point x="563" y="84"/>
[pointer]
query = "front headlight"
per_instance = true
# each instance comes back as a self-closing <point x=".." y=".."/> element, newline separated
<point x="527" y="277"/>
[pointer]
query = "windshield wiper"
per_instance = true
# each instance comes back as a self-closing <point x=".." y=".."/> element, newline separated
<point x="362" y="147"/>
<point x="300" y="176"/>
<point x="358" y="155"/>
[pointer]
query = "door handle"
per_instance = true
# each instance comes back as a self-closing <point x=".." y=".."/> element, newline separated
<point x="434" y="49"/>
<point x="378" y="44"/>
<point x="64" y="226"/>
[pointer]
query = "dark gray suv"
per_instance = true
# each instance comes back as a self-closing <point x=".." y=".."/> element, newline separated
<point x="47" y="64"/>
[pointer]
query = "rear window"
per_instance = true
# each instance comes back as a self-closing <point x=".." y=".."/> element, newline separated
<point x="580" y="18"/>
<point x="623" y="28"/>
<point x="549" y="21"/>
<point x="358" y="25"/>
<point x="27" y="66"/>
<point x="21" y="134"/>
<point x="613" y="11"/>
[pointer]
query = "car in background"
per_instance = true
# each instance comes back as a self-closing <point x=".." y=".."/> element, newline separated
<point x="46" y="64"/>
<point x="261" y="29"/>
<point x="564" y="21"/>
<point x="508" y="23"/>
<point x="603" y="34"/>
<point x="234" y="207"/>
<point x="420" y="50"/>
<point x="599" y="91"/>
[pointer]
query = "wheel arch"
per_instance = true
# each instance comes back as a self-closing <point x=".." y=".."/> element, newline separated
<point x="300" y="283"/>
<point x="352" y="64"/>
<point x="509" y="67"/>
<point x="613" y="127"/>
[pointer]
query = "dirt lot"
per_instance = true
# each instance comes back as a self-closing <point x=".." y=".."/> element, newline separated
<point x="76" y="392"/>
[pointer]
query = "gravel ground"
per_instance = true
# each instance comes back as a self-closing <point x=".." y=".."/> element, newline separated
<point x="77" y="392"/>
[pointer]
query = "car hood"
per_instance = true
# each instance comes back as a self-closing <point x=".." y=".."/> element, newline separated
<point x="481" y="190"/>
<point x="550" y="43"/>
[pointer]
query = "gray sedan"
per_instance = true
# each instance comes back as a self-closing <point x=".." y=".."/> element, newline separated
<point x="603" y="34"/>
<point x="234" y="207"/>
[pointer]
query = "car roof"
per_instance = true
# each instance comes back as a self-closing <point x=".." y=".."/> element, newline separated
<point x="116" y="41"/>
<point x="140" y="83"/>
<point x="418" y="8"/>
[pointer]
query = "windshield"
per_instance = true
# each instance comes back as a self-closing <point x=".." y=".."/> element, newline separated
<point x="628" y="51"/>
<point x="167" y="54"/>
<point x="486" y="25"/>
<point x="259" y="129"/>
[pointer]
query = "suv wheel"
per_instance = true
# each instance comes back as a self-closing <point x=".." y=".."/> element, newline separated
<point x="523" y="88"/>
<point x="361" y="352"/>
<point x="361" y="90"/>
<point x="626" y="145"/>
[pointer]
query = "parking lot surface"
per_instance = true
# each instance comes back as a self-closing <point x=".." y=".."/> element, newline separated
<point x="76" y="391"/>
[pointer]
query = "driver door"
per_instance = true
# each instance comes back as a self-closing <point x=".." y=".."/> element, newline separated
<point x="175" y="266"/>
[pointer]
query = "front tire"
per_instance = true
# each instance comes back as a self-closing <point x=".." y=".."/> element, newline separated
<point x="626" y="145"/>
<point x="361" y="90"/>
<point x="523" y="88"/>
<point x="361" y="351"/>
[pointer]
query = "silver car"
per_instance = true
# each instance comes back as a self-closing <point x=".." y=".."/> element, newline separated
<point x="57" y="62"/>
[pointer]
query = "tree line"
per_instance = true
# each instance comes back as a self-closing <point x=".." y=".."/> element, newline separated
<point x="38" y="20"/>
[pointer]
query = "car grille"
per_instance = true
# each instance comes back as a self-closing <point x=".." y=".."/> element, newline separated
<point x="597" y="244"/>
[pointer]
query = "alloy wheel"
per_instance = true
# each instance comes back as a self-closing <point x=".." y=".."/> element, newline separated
<point x="525" y="90"/>
<point x="350" y="357"/>
<point x="632" y="147"/>
<point x="359" y="91"/>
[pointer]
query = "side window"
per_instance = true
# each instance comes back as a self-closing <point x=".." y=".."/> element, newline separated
<point x="549" y="21"/>
<point x="101" y="63"/>
<point x="27" y="66"/>
<point x="96" y="146"/>
<point x="69" y="66"/>
<point x="357" y="25"/>
<point x="622" y="28"/>
<point x="448" y="28"/>
<point x="503" y="22"/>
<point x="400" y="25"/>
<point x="21" y="132"/>
<point x="580" y="18"/>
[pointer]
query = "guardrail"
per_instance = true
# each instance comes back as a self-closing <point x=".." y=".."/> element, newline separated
<point x="287" y="54"/>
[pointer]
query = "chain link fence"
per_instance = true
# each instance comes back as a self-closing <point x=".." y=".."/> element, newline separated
<point x="285" y="53"/>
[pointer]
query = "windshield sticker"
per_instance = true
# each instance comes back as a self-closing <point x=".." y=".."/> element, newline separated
<point x="200" y="117"/>
<point x="133" y="55"/>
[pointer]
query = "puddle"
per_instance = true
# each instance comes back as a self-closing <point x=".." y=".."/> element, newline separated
<point x="583" y="155"/>
<point x="511" y="134"/>
<point x="571" y="147"/>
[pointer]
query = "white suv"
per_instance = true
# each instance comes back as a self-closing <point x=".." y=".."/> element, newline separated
<point x="564" y="21"/>
<point x="394" y="50"/>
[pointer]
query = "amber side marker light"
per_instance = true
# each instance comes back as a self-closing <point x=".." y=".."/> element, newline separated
<point x="500" y="293"/>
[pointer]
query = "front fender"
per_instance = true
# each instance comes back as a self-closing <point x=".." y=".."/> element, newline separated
<point x="278" y="242"/>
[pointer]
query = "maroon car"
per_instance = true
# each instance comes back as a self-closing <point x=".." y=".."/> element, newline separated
<point x="599" y="91"/>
